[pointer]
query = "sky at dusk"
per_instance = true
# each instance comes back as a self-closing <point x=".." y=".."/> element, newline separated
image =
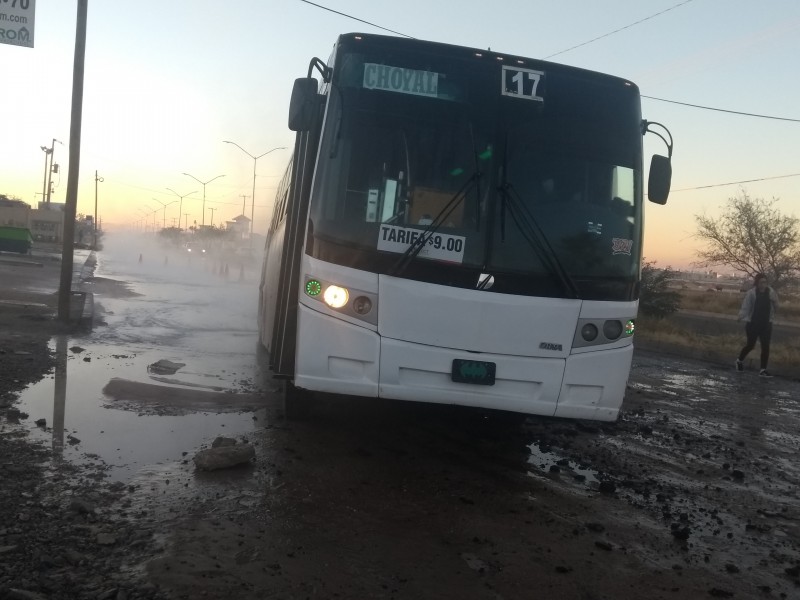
<point x="167" y="81"/>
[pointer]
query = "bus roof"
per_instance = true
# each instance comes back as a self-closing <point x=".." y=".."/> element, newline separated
<point x="466" y="52"/>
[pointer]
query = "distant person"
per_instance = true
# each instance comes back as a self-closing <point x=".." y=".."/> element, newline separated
<point x="758" y="311"/>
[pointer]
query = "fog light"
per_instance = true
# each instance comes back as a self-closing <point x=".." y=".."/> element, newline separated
<point x="362" y="305"/>
<point x="589" y="332"/>
<point x="629" y="327"/>
<point x="612" y="329"/>
<point x="335" y="296"/>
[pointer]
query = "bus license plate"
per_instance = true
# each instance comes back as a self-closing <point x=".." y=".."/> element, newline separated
<point x="477" y="372"/>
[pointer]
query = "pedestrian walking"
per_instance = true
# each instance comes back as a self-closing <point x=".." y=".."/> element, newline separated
<point x="758" y="312"/>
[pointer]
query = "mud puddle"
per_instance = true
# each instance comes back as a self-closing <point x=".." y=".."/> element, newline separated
<point x="106" y="404"/>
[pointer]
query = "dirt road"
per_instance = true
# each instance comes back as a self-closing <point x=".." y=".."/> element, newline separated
<point x="693" y="493"/>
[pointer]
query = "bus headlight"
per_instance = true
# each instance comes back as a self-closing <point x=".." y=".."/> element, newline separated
<point x="362" y="305"/>
<point x="589" y="332"/>
<point x="335" y="296"/>
<point x="612" y="329"/>
<point x="597" y="331"/>
<point x="345" y="300"/>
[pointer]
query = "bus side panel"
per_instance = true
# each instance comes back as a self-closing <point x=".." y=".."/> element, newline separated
<point x="335" y="356"/>
<point x="269" y="286"/>
<point x="284" y="344"/>
<point x="423" y="373"/>
<point x="594" y="384"/>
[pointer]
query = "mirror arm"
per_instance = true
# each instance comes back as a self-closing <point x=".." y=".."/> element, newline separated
<point x="646" y="128"/>
<point x="324" y="70"/>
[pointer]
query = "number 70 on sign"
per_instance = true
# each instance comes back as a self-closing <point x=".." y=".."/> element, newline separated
<point x="23" y="4"/>
<point x="522" y="83"/>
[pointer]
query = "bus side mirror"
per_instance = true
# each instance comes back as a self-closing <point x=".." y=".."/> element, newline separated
<point x="660" y="179"/>
<point x="303" y="104"/>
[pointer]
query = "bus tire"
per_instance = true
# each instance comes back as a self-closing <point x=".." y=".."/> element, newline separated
<point x="296" y="402"/>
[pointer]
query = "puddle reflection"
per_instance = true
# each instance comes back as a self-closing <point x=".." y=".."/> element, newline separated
<point x="551" y="464"/>
<point x="86" y="427"/>
<point x="60" y="394"/>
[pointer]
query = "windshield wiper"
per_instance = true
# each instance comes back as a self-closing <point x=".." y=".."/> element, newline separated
<point x="529" y="228"/>
<point x="418" y="244"/>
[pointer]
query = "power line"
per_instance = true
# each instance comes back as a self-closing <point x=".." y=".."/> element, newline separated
<point x="605" y="35"/>
<point x="362" y="20"/>
<point x="734" y="112"/>
<point x="702" y="187"/>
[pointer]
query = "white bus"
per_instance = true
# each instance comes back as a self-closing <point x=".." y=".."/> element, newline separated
<point x="458" y="226"/>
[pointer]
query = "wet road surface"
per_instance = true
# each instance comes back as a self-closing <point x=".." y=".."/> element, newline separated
<point x="693" y="493"/>
<point x="109" y="400"/>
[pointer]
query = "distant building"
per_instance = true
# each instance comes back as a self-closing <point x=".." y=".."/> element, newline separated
<point x="46" y="223"/>
<point x="239" y="225"/>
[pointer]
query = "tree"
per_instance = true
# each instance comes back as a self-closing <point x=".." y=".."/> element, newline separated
<point x="752" y="236"/>
<point x="655" y="297"/>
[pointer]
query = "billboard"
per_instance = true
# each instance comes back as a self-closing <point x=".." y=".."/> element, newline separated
<point x="16" y="22"/>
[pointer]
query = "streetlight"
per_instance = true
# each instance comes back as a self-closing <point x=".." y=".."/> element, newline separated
<point x="164" y="223"/>
<point x="253" y="197"/>
<point x="144" y="217"/>
<point x="180" y="207"/>
<point x="203" y="183"/>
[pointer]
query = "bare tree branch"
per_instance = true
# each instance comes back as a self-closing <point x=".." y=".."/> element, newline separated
<point x="752" y="236"/>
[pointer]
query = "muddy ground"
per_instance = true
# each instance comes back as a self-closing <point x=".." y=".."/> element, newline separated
<point x="693" y="493"/>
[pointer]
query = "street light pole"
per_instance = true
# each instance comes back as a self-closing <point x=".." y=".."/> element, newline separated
<point x="144" y="216"/>
<point x="164" y="223"/>
<point x="253" y="197"/>
<point x="203" y="183"/>
<point x="180" y="206"/>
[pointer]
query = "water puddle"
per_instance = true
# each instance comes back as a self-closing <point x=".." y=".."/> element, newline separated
<point x="149" y="422"/>
<point x="548" y="464"/>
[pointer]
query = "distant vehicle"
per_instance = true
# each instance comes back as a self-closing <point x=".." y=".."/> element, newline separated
<point x="16" y="239"/>
<point x="459" y="226"/>
<point x="195" y="248"/>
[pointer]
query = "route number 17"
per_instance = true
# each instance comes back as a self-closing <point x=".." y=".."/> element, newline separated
<point x="522" y="83"/>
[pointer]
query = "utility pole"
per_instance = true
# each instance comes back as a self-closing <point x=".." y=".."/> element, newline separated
<point x="65" y="287"/>
<point x="187" y="220"/>
<point x="49" y="172"/>
<point x="96" y="181"/>
<point x="244" y="199"/>
<point x="47" y="152"/>
<point x="212" y="209"/>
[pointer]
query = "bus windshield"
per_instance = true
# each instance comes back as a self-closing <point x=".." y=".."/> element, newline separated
<point x="542" y="193"/>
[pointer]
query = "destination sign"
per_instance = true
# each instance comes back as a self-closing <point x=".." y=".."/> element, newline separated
<point x="440" y="246"/>
<point x="400" y="80"/>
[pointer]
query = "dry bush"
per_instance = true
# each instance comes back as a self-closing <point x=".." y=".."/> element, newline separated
<point x="716" y="302"/>
<point x="668" y="333"/>
<point x="729" y="304"/>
